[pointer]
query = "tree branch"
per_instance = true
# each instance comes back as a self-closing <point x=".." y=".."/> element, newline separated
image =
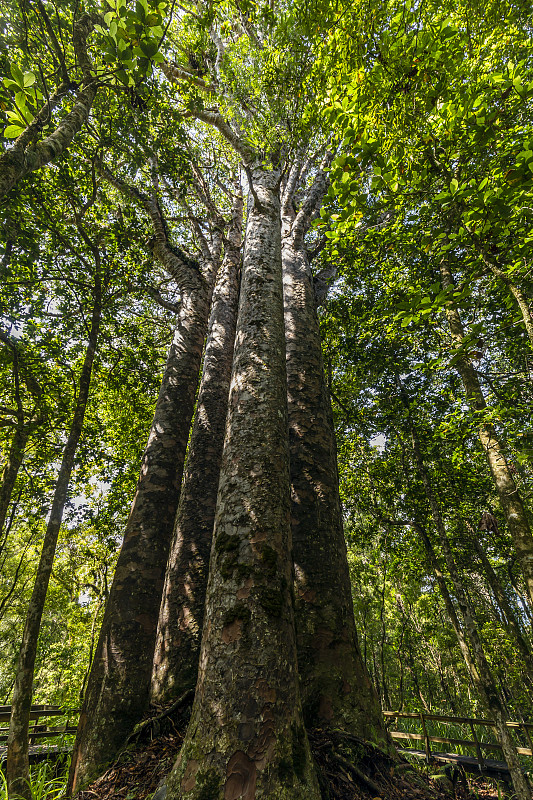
<point x="183" y="269"/>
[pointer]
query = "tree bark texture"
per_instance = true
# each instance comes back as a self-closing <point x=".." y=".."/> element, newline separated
<point x="17" y="753"/>
<point x="118" y="688"/>
<point x="246" y="738"/>
<point x="335" y="685"/>
<point x="510" y="499"/>
<point x="182" y="607"/>
<point x="482" y="674"/>
<point x="11" y="469"/>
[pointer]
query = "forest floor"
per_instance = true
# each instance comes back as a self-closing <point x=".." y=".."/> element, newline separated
<point x="348" y="769"/>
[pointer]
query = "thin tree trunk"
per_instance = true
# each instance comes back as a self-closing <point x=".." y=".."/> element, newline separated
<point x="515" y="290"/>
<point x="118" y="688"/>
<point x="11" y="469"/>
<point x="448" y="602"/>
<point x="482" y="675"/>
<point x="246" y="738"/>
<point x="511" y="502"/>
<point x="182" y="608"/>
<point x="335" y="685"/>
<point x="509" y="620"/>
<point x="23" y="427"/>
<point x="26" y="155"/>
<point x="17" y="752"/>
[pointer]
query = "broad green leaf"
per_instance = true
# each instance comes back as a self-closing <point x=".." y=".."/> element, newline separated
<point x="18" y="77"/>
<point x="13" y="131"/>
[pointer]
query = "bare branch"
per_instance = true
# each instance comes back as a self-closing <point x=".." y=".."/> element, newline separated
<point x="176" y="73"/>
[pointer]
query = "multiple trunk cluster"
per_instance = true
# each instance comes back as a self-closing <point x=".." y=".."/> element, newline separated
<point x="247" y="564"/>
<point x="233" y="579"/>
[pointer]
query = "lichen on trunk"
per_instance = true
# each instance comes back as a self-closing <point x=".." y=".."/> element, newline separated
<point x="246" y="738"/>
<point x="182" y="606"/>
<point x="335" y="686"/>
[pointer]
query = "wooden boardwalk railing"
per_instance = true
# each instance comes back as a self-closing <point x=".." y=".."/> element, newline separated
<point x="40" y="730"/>
<point x="471" y="722"/>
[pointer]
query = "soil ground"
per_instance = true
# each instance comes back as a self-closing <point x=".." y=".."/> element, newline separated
<point x="348" y="768"/>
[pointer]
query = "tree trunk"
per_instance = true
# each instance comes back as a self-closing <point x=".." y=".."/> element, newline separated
<point x="509" y="621"/>
<point x="482" y="675"/>
<point x="246" y="738"/>
<point x="335" y="685"/>
<point x="26" y="155"/>
<point x="17" y="753"/>
<point x="502" y="275"/>
<point x="118" y="688"/>
<point x="182" y="608"/>
<point x="511" y="502"/>
<point x="448" y="602"/>
<point x="11" y="469"/>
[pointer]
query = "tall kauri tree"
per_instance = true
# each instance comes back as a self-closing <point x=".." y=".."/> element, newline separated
<point x="336" y="689"/>
<point x="182" y="605"/>
<point x="118" y="687"/>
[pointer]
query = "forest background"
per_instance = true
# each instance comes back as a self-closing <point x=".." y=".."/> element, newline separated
<point x="421" y="256"/>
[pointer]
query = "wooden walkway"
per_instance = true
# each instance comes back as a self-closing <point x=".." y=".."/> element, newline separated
<point x="475" y="764"/>
<point x="39" y="730"/>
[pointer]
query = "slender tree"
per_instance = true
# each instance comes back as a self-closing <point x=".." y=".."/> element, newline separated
<point x="481" y="673"/>
<point x="508" y="493"/>
<point x="24" y="423"/>
<point x="17" y="752"/>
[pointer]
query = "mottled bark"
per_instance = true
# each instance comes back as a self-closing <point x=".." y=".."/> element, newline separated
<point x="246" y="738"/>
<point x="118" y="688"/>
<point x="17" y="752"/>
<point x="510" y="499"/>
<point x="335" y="685"/>
<point x="26" y="155"/>
<point x="482" y="675"/>
<point x="182" y="607"/>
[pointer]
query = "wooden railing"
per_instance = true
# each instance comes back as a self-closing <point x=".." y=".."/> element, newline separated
<point x="471" y="722"/>
<point x="39" y="730"/>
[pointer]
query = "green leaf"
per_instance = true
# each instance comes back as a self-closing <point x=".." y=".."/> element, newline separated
<point x="149" y="48"/>
<point x="12" y="132"/>
<point x="16" y="72"/>
<point x="28" y="79"/>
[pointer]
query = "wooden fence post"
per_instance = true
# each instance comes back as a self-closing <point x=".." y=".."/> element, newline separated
<point x="528" y="736"/>
<point x="426" y="738"/>
<point x="479" y="752"/>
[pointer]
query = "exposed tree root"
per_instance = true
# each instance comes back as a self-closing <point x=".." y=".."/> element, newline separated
<point x="348" y="768"/>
